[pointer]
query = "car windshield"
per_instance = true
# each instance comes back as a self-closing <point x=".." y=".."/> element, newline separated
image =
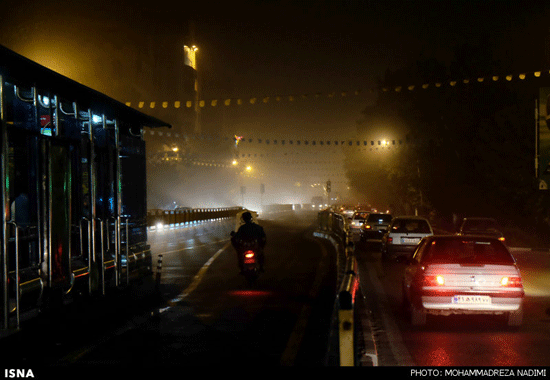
<point x="360" y="215"/>
<point x="462" y="251"/>
<point x="380" y="218"/>
<point x="411" y="225"/>
<point x="472" y="225"/>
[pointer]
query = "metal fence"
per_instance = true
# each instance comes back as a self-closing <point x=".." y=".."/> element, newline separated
<point x="162" y="218"/>
<point x="335" y="227"/>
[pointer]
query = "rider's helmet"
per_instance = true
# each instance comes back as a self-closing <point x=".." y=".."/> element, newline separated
<point x="247" y="216"/>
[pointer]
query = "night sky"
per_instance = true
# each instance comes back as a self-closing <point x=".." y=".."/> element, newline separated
<point x="133" y="51"/>
<point x="268" y="48"/>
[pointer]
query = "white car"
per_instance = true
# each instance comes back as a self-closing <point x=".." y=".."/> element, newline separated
<point x="403" y="235"/>
<point x="357" y="220"/>
<point x="348" y="213"/>
<point x="462" y="275"/>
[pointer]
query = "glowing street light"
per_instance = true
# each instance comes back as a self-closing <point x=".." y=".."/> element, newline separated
<point x="190" y="56"/>
<point x="190" y="59"/>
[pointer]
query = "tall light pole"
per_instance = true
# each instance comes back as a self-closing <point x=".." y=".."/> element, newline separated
<point x="190" y="53"/>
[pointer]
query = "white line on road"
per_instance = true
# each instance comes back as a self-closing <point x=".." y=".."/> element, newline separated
<point x="196" y="280"/>
<point x="190" y="247"/>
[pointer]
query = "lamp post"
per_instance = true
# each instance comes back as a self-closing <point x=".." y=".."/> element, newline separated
<point x="191" y="60"/>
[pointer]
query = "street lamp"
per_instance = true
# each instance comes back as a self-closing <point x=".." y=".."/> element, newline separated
<point x="191" y="60"/>
<point x="190" y="56"/>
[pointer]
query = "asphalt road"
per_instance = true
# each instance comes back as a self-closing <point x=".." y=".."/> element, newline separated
<point x="203" y="313"/>
<point x="458" y="340"/>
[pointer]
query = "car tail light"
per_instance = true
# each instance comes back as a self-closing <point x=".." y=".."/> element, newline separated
<point x="390" y="240"/>
<point x="437" y="280"/>
<point x="502" y="239"/>
<point x="511" y="282"/>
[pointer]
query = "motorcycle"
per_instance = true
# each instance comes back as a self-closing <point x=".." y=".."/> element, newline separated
<point x="248" y="251"/>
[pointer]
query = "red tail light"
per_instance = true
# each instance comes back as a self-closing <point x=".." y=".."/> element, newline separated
<point x="511" y="282"/>
<point x="437" y="280"/>
<point x="390" y="240"/>
<point x="249" y="257"/>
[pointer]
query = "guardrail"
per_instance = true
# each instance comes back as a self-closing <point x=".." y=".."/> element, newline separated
<point x="176" y="217"/>
<point x="346" y="311"/>
<point x="157" y="217"/>
<point x="335" y="227"/>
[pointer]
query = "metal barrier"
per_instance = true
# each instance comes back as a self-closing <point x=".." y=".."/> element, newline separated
<point x="163" y="218"/>
<point x="333" y="224"/>
<point x="346" y="303"/>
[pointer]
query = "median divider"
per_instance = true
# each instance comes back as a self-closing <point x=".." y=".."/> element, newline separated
<point x="335" y="228"/>
<point x="346" y="312"/>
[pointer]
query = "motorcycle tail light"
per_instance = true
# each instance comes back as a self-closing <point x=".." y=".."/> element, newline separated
<point x="249" y="257"/>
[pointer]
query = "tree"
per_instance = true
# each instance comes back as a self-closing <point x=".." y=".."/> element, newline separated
<point x="470" y="145"/>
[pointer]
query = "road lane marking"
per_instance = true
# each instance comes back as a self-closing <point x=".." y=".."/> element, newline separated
<point x="137" y="320"/>
<point x="191" y="247"/>
<point x="196" y="280"/>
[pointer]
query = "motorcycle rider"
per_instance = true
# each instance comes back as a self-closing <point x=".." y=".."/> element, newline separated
<point x="249" y="231"/>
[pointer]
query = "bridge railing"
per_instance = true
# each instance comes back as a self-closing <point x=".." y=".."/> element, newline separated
<point x="157" y="217"/>
<point x="161" y="218"/>
<point x="346" y="312"/>
<point x="335" y="227"/>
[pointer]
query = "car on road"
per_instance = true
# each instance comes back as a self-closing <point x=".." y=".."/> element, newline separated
<point x="403" y="235"/>
<point x="481" y="226"/>
<point x="347" y="211"/>
<point x="374" y="227"/>
<point x="357" y="220"/>
<point x="462" y="275"/>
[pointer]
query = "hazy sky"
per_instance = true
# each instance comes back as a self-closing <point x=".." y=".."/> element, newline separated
<point x="266" y="48"/>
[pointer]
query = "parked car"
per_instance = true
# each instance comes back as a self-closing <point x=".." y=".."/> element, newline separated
<point x="403" y="235"/>
<point x="357" y="220"/>
<point x="374" y="227"/>
<point x="462" y="275"/>
<point x="481" y="226"/>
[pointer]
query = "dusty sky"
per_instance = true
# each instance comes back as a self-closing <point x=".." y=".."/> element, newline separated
<point x="266" y="48"/>
<point x="132" y="51"/>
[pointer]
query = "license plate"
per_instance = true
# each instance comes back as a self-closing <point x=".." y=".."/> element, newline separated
<point x="410" y="240"/>
<point x="476" y="300"/>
